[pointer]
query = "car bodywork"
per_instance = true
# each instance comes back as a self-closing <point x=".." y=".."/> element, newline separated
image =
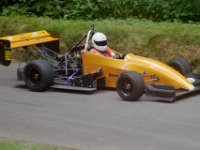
<point x="81" y="70"/>
<point x="153" y="71"/>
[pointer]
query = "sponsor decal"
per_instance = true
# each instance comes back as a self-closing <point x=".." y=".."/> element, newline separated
<point x="10" y="38"/>
<point x="113" y="75"/>
<point x="7" y="55"/>
<point x="34" y="34"/>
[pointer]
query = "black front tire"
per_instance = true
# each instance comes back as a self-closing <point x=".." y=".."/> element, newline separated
<point x="38" y="75"/>
<point x="130" y="86"/>
<point x="181" y="65"/>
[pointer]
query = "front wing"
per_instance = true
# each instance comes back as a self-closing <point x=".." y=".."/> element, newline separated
<point x="170" y="94"/>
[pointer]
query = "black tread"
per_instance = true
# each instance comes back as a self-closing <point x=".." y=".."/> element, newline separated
<point x="181" y="65"/>
<point x="45" y="71"/>
<point x="137" y="80"/>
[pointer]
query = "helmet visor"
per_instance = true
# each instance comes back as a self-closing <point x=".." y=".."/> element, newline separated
<point x="101" y="43"/>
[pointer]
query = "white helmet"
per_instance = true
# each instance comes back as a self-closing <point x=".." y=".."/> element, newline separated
<point x="99" y="41"/>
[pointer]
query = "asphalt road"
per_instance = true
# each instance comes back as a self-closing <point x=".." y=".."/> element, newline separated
<point x="99" y="121"/>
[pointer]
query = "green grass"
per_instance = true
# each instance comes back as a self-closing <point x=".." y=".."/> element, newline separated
<point x="161" y="41"/>
<point x="8" y="144"/>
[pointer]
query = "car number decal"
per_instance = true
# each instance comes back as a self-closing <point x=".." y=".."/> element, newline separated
<point x="7" y="55"/>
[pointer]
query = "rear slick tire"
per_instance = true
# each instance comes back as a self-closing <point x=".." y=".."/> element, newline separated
<point x="38" y="75"/>
<point x="130" y="86"/>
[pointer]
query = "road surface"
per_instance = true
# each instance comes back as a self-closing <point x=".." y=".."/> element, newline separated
<point x="99" y="121"/>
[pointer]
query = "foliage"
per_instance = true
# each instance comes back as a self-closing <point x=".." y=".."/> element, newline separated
<point x="8" y="144"/>
<point x="157" y="10"/>
<point x="161" y="40"/>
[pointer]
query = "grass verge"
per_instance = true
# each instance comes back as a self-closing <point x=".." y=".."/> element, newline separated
<point x="8" y="144"/>
<point x="161" y="41"/>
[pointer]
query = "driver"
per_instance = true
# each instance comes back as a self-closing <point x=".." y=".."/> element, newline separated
<point x="99" y="46"/>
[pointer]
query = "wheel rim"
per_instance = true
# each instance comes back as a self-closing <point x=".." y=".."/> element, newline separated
<point x="126" y="87"/>
<point x="33" y="76"/>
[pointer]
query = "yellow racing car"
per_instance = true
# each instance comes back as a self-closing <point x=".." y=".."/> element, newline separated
<point x="131" y="75"/>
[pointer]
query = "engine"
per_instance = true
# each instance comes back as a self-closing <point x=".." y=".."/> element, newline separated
<point x="73" y="63"/>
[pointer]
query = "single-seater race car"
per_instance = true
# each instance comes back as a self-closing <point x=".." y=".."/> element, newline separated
<point x="131" y="75"/>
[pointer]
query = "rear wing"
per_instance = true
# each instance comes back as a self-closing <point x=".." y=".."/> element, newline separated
<point x="49" y="39"/>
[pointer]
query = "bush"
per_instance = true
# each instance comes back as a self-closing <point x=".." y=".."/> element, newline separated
<point x="157" y="10"/>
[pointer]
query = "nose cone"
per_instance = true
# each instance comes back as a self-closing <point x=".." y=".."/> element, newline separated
<point x="165" y="73"/>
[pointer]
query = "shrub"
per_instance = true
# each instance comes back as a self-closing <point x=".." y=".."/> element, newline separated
<point x="157" y="10"/>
